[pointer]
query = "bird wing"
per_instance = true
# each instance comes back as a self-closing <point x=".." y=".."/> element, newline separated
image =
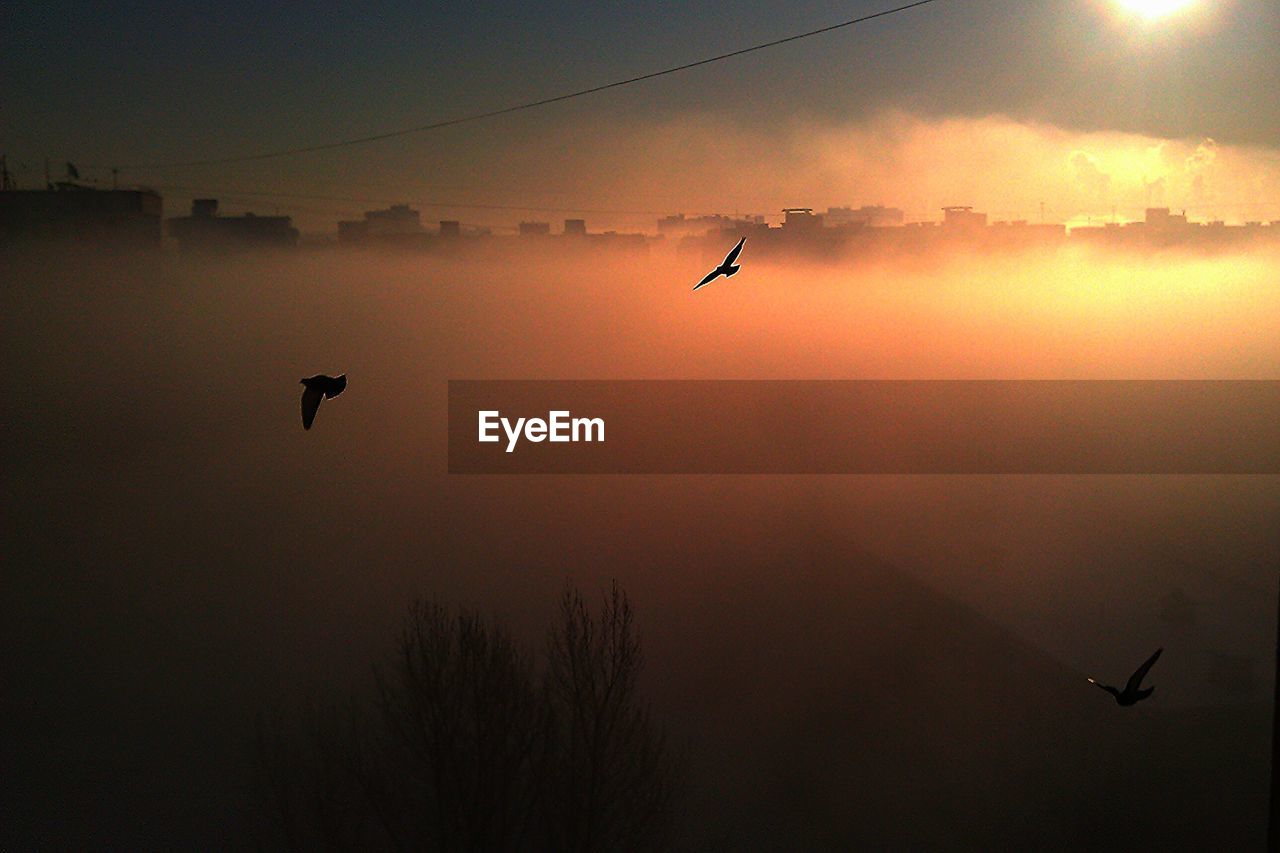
<point x="1140" y="673"/>
<point x="336" y="387"/>
<point x="711" y="276"/>
<point x="310" y="403"/>
<point x="1106" y="687"/>
<point x="733" y="253"/>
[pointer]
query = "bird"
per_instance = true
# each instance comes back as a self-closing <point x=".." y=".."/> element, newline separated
<point x="726" y="269"/>
<point x="319" y="387"/>
<point x="1131" y="693"/>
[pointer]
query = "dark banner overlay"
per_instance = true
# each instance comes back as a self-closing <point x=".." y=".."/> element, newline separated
<point x="864" y="427"/>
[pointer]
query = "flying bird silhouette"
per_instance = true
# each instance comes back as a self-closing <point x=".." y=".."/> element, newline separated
<point x="1131" y="693"/>
<point x="726" y="269"/>
<point x="319" y="387"/>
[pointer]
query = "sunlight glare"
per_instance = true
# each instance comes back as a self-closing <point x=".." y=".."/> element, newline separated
<point x="1154" y="9"/>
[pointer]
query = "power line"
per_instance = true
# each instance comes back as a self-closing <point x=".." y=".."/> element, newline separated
<point x="423" y="128"/>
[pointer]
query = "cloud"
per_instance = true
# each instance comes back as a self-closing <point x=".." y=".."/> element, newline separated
<point x="1199" y="166"/>
<point x="1155" y="192"/>
<point x="1092" y="181"/>
<point x="1000" y="165"/>
<point x="1202" y="158"/>
<point x="706" y="162"/>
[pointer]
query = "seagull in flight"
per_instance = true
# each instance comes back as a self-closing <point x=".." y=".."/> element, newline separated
<point x="1131" y="693"/>
<point x="726" y="269"/>
<point x="319" y="387"/>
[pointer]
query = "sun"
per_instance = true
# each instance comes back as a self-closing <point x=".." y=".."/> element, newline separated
<point x="1153" y="10"/>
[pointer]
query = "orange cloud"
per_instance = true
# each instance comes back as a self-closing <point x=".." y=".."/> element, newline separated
<point x="703" y="163"/>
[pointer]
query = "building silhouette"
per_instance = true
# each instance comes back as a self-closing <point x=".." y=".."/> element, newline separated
<point x="71" y="212"/>
<point x="1161" y="218"/>
<point x="1162" y="229"/>
<point x="616" y="240"/>
<point x="873" y="216"/>
<point x="678" y="225"/>
<point x="801" y="218"/>
<point x="963" y="217"/>
<point x="205" y="229"/>
<point x="398" y="225"/>
<point x="848" y="232"/>
<point x="1019" y="232"/>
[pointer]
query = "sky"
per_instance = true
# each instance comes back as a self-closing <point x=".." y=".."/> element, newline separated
<point x="1082" y="83"/>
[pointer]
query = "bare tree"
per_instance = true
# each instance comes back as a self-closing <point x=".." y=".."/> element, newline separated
<point x="611" y="779"/>
<point x="464" y="724"/>
<point x="463" y="747"/>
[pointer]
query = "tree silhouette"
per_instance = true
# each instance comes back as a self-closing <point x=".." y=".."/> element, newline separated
<point x="466" y="745"/>
<point x="611" y="781"/>
<point x="462" y="724"/>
